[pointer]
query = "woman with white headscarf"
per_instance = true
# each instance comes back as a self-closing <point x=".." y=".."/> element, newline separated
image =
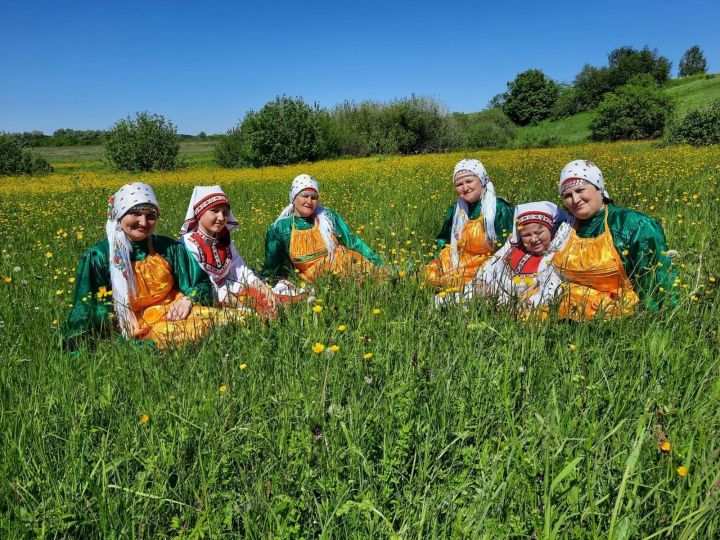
<point x="522" y="271"/>
<point x="205" y="232"/>
<point x="476" y="224"/>
<point x="149" y="284"/>
<point x="614" y="258"/>
<point x="313" y="240"/>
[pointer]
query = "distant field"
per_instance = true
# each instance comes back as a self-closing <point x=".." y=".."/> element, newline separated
<point x="197" y="150"/>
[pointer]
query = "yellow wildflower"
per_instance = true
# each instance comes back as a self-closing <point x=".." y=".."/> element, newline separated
<point x="342" y="328"/>
<point x="368" y="356"/>
<point x="377" y="311"/>
<point x="243" y="366"/>
<point x="144" y="418"/>
<point x="682" y="471"/>
<point x="318" y="348"/>
<point x="223" y="388"/>
<point x="317" y="309"/>
<point x="665" y="446"/>
<point x="334" y="348"/>
<point x="572" y="346"/>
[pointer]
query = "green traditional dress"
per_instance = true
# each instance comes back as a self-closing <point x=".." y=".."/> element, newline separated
<point x="474" y="247"/>
<point x="295" y="243"/>
<point x="164" y="269"/>
<point x="640" y="242"/>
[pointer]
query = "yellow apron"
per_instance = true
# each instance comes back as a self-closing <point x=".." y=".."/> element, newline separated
<point x="154" y="294"/>
<point x="309" y="255"/>
<point x="473" y="250"/>
<point x="595" y="278"/>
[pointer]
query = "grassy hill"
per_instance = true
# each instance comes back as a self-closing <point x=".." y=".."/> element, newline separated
<point x="688" y="93"/>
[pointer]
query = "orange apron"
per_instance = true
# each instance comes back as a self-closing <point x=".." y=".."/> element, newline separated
<point x="309" y="255"/>
<point x="595" y="278"/>
<point x="154" y="294"/>
<point x="473" y="250"/>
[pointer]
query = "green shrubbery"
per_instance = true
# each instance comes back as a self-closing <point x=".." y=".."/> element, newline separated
<point x="637" y="110"/>
<point x="15" y="159"/>
<point x="490" y="128"/>
<point x="699" y="127"/>
<point x="146" y="143"/>
<point x="284" y="131"/>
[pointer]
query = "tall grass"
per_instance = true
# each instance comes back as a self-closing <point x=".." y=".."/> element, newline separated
<point x="461" y="424"/>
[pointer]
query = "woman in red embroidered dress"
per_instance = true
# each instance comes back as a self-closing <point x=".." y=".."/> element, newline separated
<point x="206" y="234"/>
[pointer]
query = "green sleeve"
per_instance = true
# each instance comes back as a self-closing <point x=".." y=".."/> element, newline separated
<point x="443" y="237"/>
<point x="352" y="241"/>
<point x="647" y="264"/>
<point x="504" y="215"/>
<point x="277" y="254"/>
<point x="190" y="279"/>
<point x="91" y="308"/>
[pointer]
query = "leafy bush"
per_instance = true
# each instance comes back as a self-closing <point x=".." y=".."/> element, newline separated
<point x="405" y="126"/>
<point x="530" y="97"/>
<point x="637" y="110"/>
<point x="568" y="103"/>
<point x="284" y="131"/>
<point x="692" y="62"/>
<point x="146" y="143"/>
<point x="490" y="128"/>
<point x="14" y="159"/>
<point x="699" y="127"/>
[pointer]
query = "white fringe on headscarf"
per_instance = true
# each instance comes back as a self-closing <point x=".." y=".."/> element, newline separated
<point x="122" y="278"/>
<point x="488" y="207"/>
<point x="325" y="224"/>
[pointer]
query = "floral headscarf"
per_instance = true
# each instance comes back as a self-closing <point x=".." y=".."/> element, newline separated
<point x="127" y="198"/>
<point x="304" y="182"/>
<point x="488" y="208"/>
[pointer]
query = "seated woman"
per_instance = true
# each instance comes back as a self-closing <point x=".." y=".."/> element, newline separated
<point x="614" y="258"/>
<point x="475" y="225"/>
<point x="206" y="234"/>
<point x="521" y="272"/>
<point x="155" y="286"/>
<point x="313" y="240"/>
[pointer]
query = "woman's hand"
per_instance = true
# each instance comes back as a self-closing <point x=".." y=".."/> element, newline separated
<point x="180" y="309"/>
<point x="269" y="296"/>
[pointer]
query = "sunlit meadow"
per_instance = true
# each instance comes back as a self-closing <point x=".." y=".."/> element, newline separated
<point x="364" y="413"/>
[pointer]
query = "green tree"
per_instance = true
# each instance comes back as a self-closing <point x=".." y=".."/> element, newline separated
<point x="637" y="110"/>
<point x="147" y="142"/>
<point x="530" y="97"/>
<point x="284" y="131"/>
<point x="624" y="63"/>
<point x="15" y="159"/>
<point x="692" y="62"/>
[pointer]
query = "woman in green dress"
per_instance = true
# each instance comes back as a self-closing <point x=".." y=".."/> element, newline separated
<point x="150" y="285"/>
<point x="313" y="240"/>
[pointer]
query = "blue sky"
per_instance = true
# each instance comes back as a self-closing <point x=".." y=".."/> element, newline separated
<point x="203" y="65"/>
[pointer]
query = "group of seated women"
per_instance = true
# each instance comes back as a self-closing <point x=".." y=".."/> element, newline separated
<point x="595" y="259"/>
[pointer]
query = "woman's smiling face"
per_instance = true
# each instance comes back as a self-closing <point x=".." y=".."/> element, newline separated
<point x="583" y="200"/>
<point x="138" y="225"/>
<point x="468" y="186"/>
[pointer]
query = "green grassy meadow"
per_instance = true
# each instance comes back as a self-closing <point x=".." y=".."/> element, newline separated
<point x="695" y="92"/>
<point x="424" y="424"/>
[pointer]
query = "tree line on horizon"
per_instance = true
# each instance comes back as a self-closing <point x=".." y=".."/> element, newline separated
<point x="625" y="97"/>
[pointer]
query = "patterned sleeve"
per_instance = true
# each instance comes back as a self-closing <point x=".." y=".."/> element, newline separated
<point x="240" y="274"/>
<point x="352" y="241"/>
<point x="91" y="299"/>
<point x="191" y="280"/>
